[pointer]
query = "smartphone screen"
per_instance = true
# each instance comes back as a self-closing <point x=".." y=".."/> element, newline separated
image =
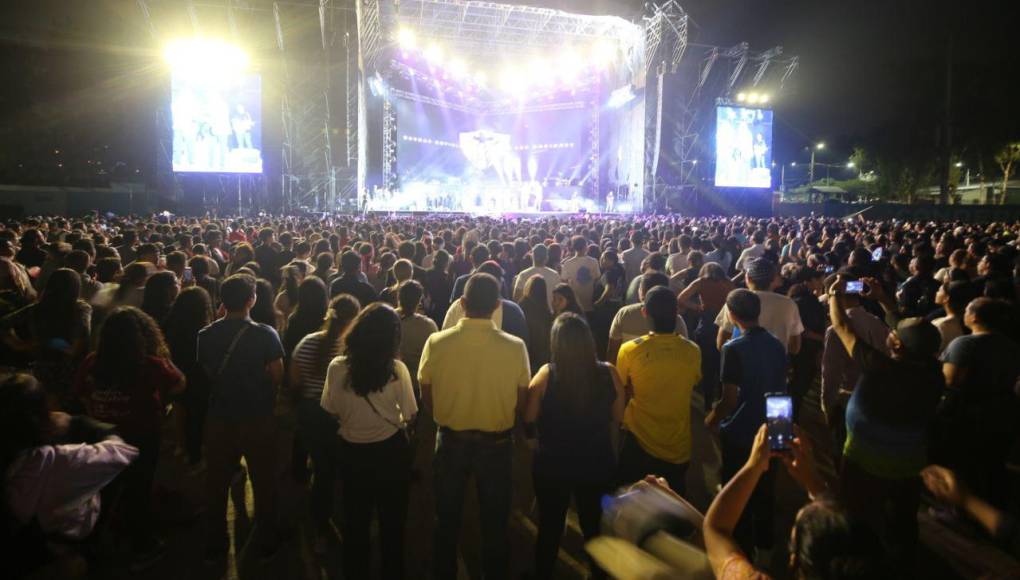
<point x="829" y="269"/>
<point x="877" y="254"/>
<point x="188" y="276"/>
<point x="779" y="417"/>
<point x="854" y="287"/>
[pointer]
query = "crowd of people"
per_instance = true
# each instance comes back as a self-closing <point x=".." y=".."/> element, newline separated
<point x="588" y="337"/>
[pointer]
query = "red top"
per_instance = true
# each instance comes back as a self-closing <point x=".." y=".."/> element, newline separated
<point x="136" y="409"/>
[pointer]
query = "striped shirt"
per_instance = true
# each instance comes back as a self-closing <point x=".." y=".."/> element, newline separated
<point x="306" y="357"/>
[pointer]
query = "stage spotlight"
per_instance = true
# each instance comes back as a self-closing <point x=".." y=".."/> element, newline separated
<point x="481" y="79"/>
<point x="741" y="97"/>
<point x="434" y="54"/>
<point x="198" y="55"/>
<point x="407" y="39"/>
<point x="763" y="98"/>
<point x="752" y="98"/>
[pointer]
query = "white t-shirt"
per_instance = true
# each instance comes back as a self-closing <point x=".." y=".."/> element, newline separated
<point x="779" y="315"/>
<point x="550" y="276"/>
<point x="676" y="262"/>
<point x="629" y="324"/>
<point x="358" y="422"/>
<point x="751" y="253"/>
<point x="581" y="272"/>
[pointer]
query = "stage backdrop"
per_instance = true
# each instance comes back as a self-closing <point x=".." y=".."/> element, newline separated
<point x="217" y="123"/>
<point x="445" y="149"/>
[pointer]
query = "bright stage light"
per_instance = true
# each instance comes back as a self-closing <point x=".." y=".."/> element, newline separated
<point x="198" y="55"/>
<point x="458" y="68"/>
<point x="741" y="97"/>
<point x="512" y="80"/>
<point x="406" y="39"/>
<point x="763" y="98"/>
<point x="752" y="98"/>
<point x="481" y="79"/>
<point x="434" y="54"/>
<point x="570" y="63"/>
<point x="603" y="53"/>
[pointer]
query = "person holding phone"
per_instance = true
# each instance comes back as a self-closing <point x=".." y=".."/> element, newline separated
<point x="752" y="366"/>
<point x="887" y="419"/>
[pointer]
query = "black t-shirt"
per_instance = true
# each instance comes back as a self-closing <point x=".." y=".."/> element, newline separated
<point x="987" y="399"/>
<point x="897" y="391"/>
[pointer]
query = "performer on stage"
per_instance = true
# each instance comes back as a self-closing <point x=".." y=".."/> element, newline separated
<point x="242" y="124"/>
<point x="610" y="202"/>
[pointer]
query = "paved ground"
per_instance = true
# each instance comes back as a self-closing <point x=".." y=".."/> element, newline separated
<point x="946" y="554"/>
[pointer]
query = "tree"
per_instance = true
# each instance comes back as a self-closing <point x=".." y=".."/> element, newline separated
<point x="1007" y="159"/>
<point x="861" y="160"/>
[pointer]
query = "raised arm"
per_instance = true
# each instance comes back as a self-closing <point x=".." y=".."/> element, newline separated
<point x="837" y="313"/>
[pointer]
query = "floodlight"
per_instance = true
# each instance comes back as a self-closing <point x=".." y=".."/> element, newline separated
<point x="406" y="39"/>
<point x="959" y="163"/>
<point x="763" y="98"/>
<point x="752" y="98"/>
<point x="741" y="97"/>
<point x="850" y="165"/>
<point x="793" y="164"/>
<point x="820" y="146"/>
<point x="199" y="55"/>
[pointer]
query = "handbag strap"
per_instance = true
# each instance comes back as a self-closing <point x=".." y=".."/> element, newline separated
<point x="230" y="349"/>
<point x="399" y="426"/>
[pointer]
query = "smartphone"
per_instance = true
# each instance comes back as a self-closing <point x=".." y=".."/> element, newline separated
<point x="877" y="254"/>
<point x="854" y="287"/>
<point x="188" y="277"/>
<point x="779" y="418"/>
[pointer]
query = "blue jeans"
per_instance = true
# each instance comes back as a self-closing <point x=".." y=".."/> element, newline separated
<point x="488" y="457"/>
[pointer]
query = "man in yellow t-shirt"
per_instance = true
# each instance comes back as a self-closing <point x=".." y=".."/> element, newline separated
<point x="660" y="371"/>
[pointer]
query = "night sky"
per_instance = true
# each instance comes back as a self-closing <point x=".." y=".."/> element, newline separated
<point x="79" y="73"/>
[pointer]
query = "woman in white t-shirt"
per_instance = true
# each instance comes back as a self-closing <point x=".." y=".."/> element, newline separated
<point x="369" y="390"/>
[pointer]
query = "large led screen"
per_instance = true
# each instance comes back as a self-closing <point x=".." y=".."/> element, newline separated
<point x="217" y="123"/>
<point x="743" y="147"/>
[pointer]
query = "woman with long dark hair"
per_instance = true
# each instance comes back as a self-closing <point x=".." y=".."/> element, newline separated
<point x="201" y="269"/>
<point x="161" y="289"/>
<point x="263" y="310"/>
<point x="535" y="304"/>
<point x="575" y="401"/>
<point x="54" y="332"/>
<point x="291" y="277"/>
<point x="51" y="482"/>
<point x="369" y="390"/>
<point x="191" y="312"/>
<point x="313" y="298"/>
<point x="126" y="382"/>
<point x="564" y="300"/>
<point x="316" y="428"/>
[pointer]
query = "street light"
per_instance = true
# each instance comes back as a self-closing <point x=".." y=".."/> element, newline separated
<point x="818" y="147"/>
<point x="849" y="164"/>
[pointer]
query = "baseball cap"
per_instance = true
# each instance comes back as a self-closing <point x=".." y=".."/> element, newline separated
<point x="920" y="338"/>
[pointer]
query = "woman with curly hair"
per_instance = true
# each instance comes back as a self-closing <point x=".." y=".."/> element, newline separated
<point x="125" y="382"/>
<point x="369" y="390"/>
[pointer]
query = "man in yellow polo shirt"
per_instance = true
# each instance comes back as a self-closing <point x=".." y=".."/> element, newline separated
<point x="660" y="370"/>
